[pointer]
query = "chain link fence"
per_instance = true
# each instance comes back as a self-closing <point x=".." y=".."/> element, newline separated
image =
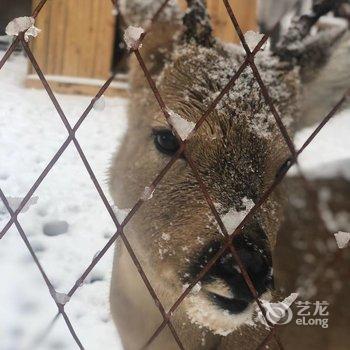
<point x="61" y="299"/>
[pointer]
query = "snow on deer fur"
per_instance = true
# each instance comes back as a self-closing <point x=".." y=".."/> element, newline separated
<point x="199" y="312"/>
<point x="181" y="125"/>
<point x="147" y="193"/>
<point x="234" y="217"/>
<point x="22" y="24"/>
<point x="132" y="37"/>
<point x="342" y="239"/>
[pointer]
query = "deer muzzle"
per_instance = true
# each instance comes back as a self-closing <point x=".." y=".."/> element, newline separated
<point x="224" y="285"/>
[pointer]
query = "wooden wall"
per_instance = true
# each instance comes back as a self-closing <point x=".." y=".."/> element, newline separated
<point x="77" y="38"/>
<point x="77" y="41"/>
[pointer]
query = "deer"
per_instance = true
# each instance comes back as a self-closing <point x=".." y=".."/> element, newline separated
<point x="238" y="152"/>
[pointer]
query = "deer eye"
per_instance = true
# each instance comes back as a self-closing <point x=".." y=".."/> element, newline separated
<point x="165" y="141"/>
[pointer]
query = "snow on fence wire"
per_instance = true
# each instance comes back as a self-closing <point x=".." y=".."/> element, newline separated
<point x="61" y="299"/>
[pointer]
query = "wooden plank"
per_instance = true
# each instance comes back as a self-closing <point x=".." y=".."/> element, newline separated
<point x="104" y="39"/>
<point x="76" y="41"/>
<point x="67" y="85"/>
<point x="56" y="38"/>
<point x="72" y="47"/>
<point x="77" y="38"/>
<point x="245" y="12"/>
<point x="39" y="44"/>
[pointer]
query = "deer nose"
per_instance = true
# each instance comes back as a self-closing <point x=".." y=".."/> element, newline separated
<point x="225" y="284"/>
<point x="257" y="266"/>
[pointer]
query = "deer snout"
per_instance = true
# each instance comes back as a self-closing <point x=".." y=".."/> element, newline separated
<point x="225" y="286"/>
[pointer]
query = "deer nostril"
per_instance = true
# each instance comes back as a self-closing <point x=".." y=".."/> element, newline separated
<point x="257" y="267"/>
<point x="224" y="283"/>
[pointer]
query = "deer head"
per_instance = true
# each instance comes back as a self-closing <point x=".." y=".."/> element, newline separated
<point x="238" y="152"/>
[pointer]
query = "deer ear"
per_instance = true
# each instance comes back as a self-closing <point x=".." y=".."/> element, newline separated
<point x="326" y="77"/>
<point x="323" y="58"/>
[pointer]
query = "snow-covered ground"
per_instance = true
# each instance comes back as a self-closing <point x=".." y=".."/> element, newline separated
<point x="30" y="133"/>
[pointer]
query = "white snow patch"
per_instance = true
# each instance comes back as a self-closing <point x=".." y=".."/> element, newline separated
<point x="166" y="236"/>
<point x="132" y="37"/>
<point x="335" y="221"/>
<point x="61" y="298"/>
<point x="147" y="193"/>
<point x="233" y="218"/>
<point x="14" y="203"/>
<point x="121" y="214"/>
<point x="196" y="289"/>
<point x="181" y="125"/>
<point x="22" y="24"/>
<point x="204" y="313"/>
<point x="253" y="38"/>
<point x="328" y="155"/>
<point x="342" y="239"/>
<point x="100" y="104"/>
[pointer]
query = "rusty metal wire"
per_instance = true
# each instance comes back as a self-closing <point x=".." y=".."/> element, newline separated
<point x="228" y="243"/>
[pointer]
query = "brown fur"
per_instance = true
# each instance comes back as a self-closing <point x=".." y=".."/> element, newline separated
<point x="238" y="156"/>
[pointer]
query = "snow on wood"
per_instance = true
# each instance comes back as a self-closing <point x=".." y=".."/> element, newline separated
<point x="181" y="125"/>
<point x="342" y="239"/>
<point x="22" y="24"/>
<point x="119" y="84"/>
<point x="132" y="37"/>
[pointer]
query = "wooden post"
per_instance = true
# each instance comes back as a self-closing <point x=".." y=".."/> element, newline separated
<point x="75" y="47"/>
